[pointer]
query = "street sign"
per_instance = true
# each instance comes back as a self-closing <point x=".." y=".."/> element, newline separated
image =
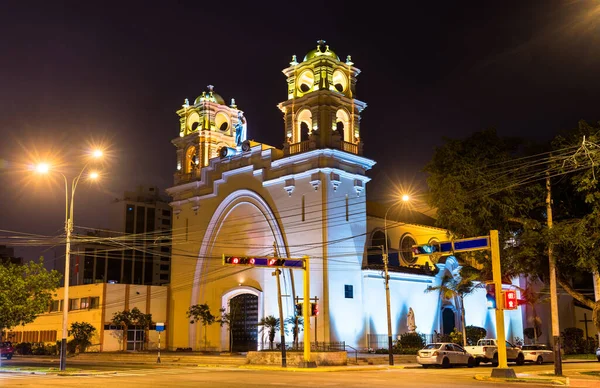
<point x="273" y="262"/>
<point x="160" y="326"/>
<point x="472" y="244"/>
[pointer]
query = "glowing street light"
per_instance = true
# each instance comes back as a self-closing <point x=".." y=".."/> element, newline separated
<point x="45" y="168"/>
<point x="405" y="198"/>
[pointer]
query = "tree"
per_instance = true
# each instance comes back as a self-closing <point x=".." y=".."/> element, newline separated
<point x="135" y="318"/>
<point x="82" y="333"/>
<point x="271" y="325"/>
<point x="201" y="313"/>
<point x="533" y="298"/>
<point x="297" y="323"/>
<point x="459" y="286"/>
<point x="486" y="182"/>
<point x="25" y="292"/>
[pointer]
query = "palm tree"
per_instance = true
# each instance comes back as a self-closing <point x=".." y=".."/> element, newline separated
<point x="271" y="325"/>
<point x="533" y="298"/>
<point x="297" y="323"/>
<point x="462" y="285"/>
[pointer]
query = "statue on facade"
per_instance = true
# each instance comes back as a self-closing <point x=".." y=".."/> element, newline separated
<point x="410" y="322"/>
<point x="240" y="129"/>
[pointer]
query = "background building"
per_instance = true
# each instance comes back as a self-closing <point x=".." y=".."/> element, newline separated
<point x="137" y="251"/>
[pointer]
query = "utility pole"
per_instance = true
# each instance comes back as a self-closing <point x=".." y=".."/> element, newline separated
<point x="387" y="302"/>
<point x="281" y="323"/>
<point x="597" y="292"/>
<point x="553" y="287"/>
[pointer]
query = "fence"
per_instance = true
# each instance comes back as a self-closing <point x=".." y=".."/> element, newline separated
<point x="314" y="346"/>
<point x="380" y="341"/>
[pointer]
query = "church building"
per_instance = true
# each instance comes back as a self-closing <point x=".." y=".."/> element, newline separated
<point x="236" y="197"/>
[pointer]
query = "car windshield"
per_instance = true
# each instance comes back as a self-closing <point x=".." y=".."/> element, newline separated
<point x="432" y="346"/>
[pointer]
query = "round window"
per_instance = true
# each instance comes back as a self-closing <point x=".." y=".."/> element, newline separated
<point x="340" y="82"/>
<point x="305" y="81"/>
<point x="406" y="244"/>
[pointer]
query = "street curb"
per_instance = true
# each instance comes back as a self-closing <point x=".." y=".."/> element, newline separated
<point x="532" y="380"/>
<point x="320" y="368"/>
<point x="58" y="373"/>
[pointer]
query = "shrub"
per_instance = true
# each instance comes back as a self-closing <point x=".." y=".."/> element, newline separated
<point x="456" y="337"/>
<point x="23" y="348"/>
<point x="411" y="340"/>
<point x="474" y="334"/>
<point x="572" y="340"/>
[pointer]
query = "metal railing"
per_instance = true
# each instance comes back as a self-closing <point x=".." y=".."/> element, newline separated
<point x="299" y="147"/>
<point x="350" y="147"/>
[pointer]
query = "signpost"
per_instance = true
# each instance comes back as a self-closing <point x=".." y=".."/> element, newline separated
<point x="160" y="327"/>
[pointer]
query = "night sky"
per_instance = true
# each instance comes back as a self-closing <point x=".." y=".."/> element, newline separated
<point x="79" y="72"/>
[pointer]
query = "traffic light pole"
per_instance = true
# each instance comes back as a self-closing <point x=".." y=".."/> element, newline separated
<point x="281" y="323"/>
<point x="306" y="312"/>
<point x="502" y="370"/>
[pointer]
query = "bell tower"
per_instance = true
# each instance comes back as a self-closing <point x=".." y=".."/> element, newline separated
<point x="207" y="128"/>
<point x="321" y="110"/>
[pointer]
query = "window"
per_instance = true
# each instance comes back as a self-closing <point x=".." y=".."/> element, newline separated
<point x="56" y="305"/>
<point x="166" y="213"/>
<point x="349" y="291"/>
<point x="406" y="244"/>
<point x="164" y="276"/>
<point x="129" y="217"/>
<point x="112" y="327"/>
<point x="74" y="304"/>
<point x="164" y="267"/>
<point x="94" y="302"/>
<point x="84" y="303"/>
<point x="166" y="221"/>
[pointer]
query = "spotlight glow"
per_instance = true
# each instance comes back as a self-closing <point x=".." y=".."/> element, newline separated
<point x="42" y="168"/>
<point x="405" y="198"/>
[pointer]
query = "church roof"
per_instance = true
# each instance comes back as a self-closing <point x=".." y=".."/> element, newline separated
<point x="321" y="49"/>
<point x="210" y="96"/>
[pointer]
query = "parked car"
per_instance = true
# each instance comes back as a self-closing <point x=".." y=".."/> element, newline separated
<point x="598" y="354"/>
<point x="6" y="350"/>
<point x="445" y="355"/>
<point x="486" y="350"/>
<point x="538" y="353"/>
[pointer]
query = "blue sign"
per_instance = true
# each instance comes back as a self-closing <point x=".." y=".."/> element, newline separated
<point x="160" y="326"/>
<point x="472" y="244"/>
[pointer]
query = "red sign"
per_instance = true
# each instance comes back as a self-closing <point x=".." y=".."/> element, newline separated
<point x="510" y="300"/>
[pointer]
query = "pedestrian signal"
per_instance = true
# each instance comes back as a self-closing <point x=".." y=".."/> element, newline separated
<point x="510" y="300"/>
<point x="314" y="309"/>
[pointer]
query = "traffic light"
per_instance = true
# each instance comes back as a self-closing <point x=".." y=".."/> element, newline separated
<point x="490" y="295"/>
<point x="510" y="300"/>
<point x="299" y="309"/>
<point x="275" y="262"/>
<point x="238" y="260"/>
<point x="427" y="249"/>
<point x="314" y="309"/>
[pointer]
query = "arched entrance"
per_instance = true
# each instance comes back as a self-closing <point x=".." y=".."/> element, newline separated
<point x="244" y="317"/>
<point x="448" y="321"/>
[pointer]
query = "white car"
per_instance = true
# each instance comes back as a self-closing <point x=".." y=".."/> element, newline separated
<point x="538" y="353"/>
<point x="444" y="354"/>
<point x="598" y="353"/>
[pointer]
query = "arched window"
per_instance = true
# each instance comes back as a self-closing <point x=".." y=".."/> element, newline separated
<point x="342" y="117"/>
<point x="377" y="239"/>
<point x="406" y="244"/>
<point x="191" y="160"/>
<point x="304" y="125"/>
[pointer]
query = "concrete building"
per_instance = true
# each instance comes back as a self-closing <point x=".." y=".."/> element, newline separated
<point x="96" y="304"/>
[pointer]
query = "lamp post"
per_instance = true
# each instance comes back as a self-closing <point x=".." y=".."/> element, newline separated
<point x="405" y="198"/>
<point x="44" y="169"/>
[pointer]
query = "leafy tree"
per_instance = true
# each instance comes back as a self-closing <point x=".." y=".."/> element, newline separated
<point x="133" y="317"/>
<point x="201" y="313"/>
<point x="25" y="292"/>
<point x="271" y="325"/>
<point x="474" y="334"/>
<point x="82" y="333"/>
<point x="486" y="182"/>
<point x="459" y="286"/>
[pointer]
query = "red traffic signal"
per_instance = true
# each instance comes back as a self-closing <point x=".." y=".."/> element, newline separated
<point x="510" y="300"/>
<point x="275" y="262"/>
<point x="314" y="309"/>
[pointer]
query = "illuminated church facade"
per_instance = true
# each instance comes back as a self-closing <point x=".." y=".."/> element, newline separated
<point x="233" y="196"/>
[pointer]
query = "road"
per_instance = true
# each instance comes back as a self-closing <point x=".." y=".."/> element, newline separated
<point x="168" y="376"/>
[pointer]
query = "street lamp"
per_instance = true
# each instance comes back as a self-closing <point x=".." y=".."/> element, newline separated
<point x="45" y="168"/>
<point x="405" y="198"/>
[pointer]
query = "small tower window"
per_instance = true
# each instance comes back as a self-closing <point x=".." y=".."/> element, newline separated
<point x="340" y="81"/>
<point x="305" y="81"/>
<point x="303" y="131"/>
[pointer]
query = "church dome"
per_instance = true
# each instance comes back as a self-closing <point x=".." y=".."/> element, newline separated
<point x="322" y="49"/>
<point x="210" y="96"/>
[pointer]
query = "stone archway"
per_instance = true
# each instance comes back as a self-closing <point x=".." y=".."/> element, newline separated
<point x="448" y="320"/>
